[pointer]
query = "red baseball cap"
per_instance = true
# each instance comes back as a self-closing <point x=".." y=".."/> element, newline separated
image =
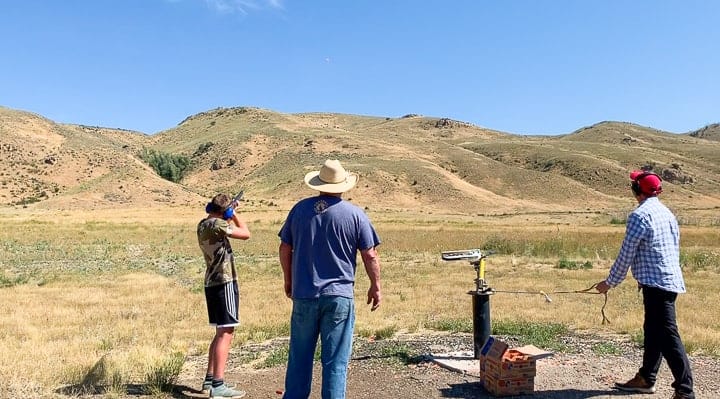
<point x="649" y="182"/>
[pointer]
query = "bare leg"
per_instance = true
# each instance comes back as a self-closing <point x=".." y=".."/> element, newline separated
<point x="219" y="351"/>
<point x="211" y="355"/>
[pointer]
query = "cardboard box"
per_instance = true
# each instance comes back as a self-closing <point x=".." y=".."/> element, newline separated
<point x="493" y="348"/>
<point x="512" y="364"/>
<point x="509" y="386"/>
<point x="505" y="371"/>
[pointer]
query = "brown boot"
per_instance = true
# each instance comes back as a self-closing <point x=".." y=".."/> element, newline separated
<point x="636" y="384"/>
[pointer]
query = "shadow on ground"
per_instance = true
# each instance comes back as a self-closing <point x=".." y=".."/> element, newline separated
<point x="474" y="390"/>
<point x="134" y="390"/>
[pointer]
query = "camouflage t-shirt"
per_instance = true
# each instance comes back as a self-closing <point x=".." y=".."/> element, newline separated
<point x="219" y="260"/>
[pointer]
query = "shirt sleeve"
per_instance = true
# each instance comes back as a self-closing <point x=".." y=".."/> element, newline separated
<point x="222" y="228"/>
<point x="368" y="235"/>
<point x="285" y="233"/>
<point x="634" y="234"/>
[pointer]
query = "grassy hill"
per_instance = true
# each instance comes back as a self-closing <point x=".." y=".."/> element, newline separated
<point x="62" y="166"/>
<point x="709" y="132"/>
<point x="413" y="163"/>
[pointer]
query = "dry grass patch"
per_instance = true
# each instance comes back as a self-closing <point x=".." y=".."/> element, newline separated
<point x="424" y="293"/>
<point x="88" y="332"/>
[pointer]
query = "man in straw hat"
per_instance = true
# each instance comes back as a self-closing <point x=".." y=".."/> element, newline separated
<point x="319" y="243"/>
<point x="651" y="250"/>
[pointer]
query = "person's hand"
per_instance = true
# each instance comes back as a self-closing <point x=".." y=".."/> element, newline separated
<point x="228" y="213"/>
<point x="288" y="289"/>
<point x="602" y="287"/>
<point x="374" y="297"/>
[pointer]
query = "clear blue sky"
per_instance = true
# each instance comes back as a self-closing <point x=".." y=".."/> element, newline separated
<point x="525" y="67"/>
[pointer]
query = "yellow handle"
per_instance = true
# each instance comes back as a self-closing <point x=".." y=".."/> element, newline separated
<point x="482" y="269"/>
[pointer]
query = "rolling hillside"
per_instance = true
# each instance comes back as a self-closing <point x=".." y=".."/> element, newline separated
<point x="50" y="165"/>
<point x="709" y="132"/>
<point x="416" y="163"/>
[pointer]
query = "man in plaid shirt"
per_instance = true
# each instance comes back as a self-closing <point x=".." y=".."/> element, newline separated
<point x="651" y="250"/>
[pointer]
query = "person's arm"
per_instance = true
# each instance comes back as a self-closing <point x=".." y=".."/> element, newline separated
<point x="285" y="253"/>
<point x="241" y="230"/>
<point x="633" y="235"/>
<point x="372" y="268"/>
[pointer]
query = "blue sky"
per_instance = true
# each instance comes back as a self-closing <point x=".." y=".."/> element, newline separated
<point x="520" y="66"/>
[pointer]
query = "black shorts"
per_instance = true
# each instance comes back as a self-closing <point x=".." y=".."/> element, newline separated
<point x="222" y="304"/>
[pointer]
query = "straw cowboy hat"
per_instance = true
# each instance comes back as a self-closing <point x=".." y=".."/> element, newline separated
<point x="331" y="178"/>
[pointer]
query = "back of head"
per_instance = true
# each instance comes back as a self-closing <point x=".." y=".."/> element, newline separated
<point x="646" y="183"/>
<point x="219" y="203"/>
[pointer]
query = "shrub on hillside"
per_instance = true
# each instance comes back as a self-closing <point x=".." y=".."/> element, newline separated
<point x="203" y="148"/>
<point x="169" y="166"/>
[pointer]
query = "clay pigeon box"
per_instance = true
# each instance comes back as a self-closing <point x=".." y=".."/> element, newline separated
<point x="505" y="371"/>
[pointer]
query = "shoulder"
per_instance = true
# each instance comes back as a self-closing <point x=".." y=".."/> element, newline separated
<point x="355" y="212"/>
<point x="640" y="214"/>
<point x="652" y="206"/>
<point x="303" y="204"/>
<point x="216" y="225"/>
<point x="302" y="209"/>
<point x="352" y="208"/>
<point x="646" y="207"/>
<point x="221" y="223"/>
<point x="204" y="224"/>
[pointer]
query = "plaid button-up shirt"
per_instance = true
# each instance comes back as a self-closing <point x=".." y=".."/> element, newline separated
<point x="651" y="249"/>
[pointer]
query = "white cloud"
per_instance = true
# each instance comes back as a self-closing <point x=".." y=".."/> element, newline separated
<point x="242" y="6"/>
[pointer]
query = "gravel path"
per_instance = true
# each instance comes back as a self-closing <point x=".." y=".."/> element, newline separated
<point x="401" y="368"/>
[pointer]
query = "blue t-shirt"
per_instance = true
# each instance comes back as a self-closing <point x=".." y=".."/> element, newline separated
<point x="325" y="233"/>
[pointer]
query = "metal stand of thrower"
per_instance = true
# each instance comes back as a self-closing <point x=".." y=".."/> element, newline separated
<point x="481" y="285"/>
<point x="481" y="294"/>
<point x="476" y="258"/>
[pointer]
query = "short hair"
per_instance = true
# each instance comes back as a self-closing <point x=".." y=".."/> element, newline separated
<point x="219" y="203"/>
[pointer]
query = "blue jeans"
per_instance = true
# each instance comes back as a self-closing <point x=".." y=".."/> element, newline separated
<point x="332" y="318"/>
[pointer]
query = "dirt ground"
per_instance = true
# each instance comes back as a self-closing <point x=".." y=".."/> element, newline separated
<point x="402" y="368"/>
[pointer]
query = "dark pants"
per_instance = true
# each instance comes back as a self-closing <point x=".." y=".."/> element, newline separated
<point x="662" y="340"/>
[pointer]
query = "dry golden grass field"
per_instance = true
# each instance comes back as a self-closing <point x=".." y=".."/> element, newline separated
<point x="110" y="297"/>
